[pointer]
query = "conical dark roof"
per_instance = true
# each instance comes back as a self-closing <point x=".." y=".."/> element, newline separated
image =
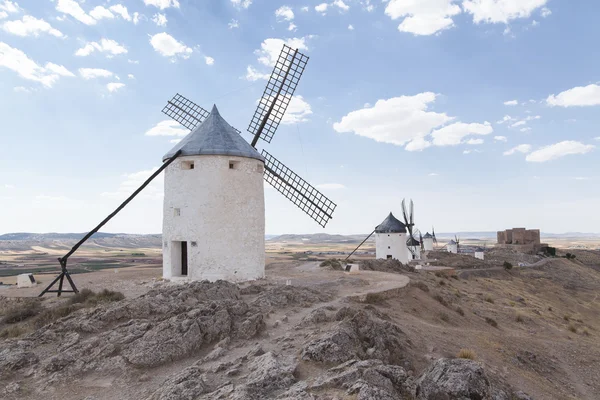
<point x="413" y="242"/>
<point x="214" y="136"/>
<point x="451" y="242"/>
<point x="427" y="236"/>
<point x="391" y="225"/>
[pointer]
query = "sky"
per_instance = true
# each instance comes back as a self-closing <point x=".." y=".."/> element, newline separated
<point x="484" y="112"/>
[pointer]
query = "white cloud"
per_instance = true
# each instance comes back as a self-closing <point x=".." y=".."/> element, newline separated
<point x="433" y="174"/>
<point x="471" y="151"/>
<point x="105" y="46"/>
<point x="17" y="61"/>
<point x="522" y="148"/>
<point x="9" y="7"/>
<point x="322" y="8"/>
<point x="241" y="3"/>
<point x="534" y="23"/>
<point x="30" y="26"/>
<point x="453" y="134"/>
<point x="511" y="103"/>
<point x="167" y="128"/>
<point x="209" y="60"/>
<point x="500" y="138"/>
<point x="350" y="27"/>
<point x="133" y="61"/>
<point x="233" y="24"/>
<point x="418" y="144"/>
<point x="526" y="129"/>
<point x="501" y="11"/>
<point x="292" y="27"/>
<point x="131" y="76"/>
<point x="137" y="17"/>
<point x="72" y="8"/>
<point x="546" y="12"/>
<point x="174" y="141"/>
<point x="92" y="73"/>
<point x="518" y="123"/>
<point x="532" y="117"/>
<point x="297" y="111"/>
<point x="21" y="89"/>
<point x="58" y="69"/>
<point x="578" y="96"/>
<point x="166" y="45"/>
<point x="162" y="4"/>
<point x="398" y="120"/>
<point x="253" y="75"/>
<point x="424" y="17"/>
<point x="100" y="12"/>
<point x="114" y="86"/>
<point x="284" y="13"/>
<point x="134" y="180"/>
<point x="270" y="49"/>
<point x="305" y="8"/>
<point x="597" y="138"/>
<point x="558" y="150"/>
<point x="330" y="186"/>
<point x="507" y="118"/>
<point x="3" y="14"/>
<point x="341" y="5"/>
<point x="160" y="19"/>
<point x="121" y="10"/>
<point x="474" y="142"/>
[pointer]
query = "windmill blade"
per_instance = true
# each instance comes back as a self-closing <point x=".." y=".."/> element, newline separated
<point x="297" y="190"/>
<point x="433" y="234"/>
<point x="278" y="94"/>
<point x="412" y="209"/>
<point x="185" y="111"/>
<point x="404" y="212"/>
<point x="421" y="241"/>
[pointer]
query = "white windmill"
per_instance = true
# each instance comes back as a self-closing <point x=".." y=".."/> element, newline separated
<point x="214" y="214"/>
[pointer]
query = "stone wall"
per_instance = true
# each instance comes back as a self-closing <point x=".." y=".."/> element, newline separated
<point x="519" y="236"/>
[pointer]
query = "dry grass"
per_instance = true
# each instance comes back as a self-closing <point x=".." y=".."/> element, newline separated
<point x="334" y="263"/>
<point x="460" y="311"/>
<point x="21" y="312"/>
<point x="585" y="332"/>
<point x="420" y="285"/>
<point x="519" y="318"/>
<point x="444" y="317"/>
<point x="466" y="354"/>
<point x="489" y="299"/>
<point x="567" y="317"/>
<point x="440" y="299"/>
<point x="491" y="321"/>
<point x="572" y="328"/>
<point x="13" y="331"/>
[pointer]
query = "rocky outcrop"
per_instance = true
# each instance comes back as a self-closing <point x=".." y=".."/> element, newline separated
<point x="361" y="335"/>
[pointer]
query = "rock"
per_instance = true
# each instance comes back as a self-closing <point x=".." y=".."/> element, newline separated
<point x="359" y="335"/>
<point x="458" y="378"/>
<point x="270" y="372"/>
<point x="218" y="352"/>
<point x="284" y="295"/>
<point x="315" y="317"/>
<point x="186" y="385"/>
<point x="285" y="318"/>
<point x="13" y="358"/>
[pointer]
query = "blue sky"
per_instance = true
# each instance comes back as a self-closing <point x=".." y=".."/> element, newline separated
<point x="484" y="112"/>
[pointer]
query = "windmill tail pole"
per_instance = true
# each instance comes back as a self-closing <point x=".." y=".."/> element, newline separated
<point x="361" y="243"/>
<point x="63" y="260"/>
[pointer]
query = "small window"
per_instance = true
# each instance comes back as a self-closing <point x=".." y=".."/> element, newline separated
<point x="194" y="244"/>
<point x="260" y="168"/>
<point x="389" y="257"/>
<point x="187" y="165"/>
<point x="234" y="164"/>
<point x="388" y="247"/>
<point x="177" y="212"/>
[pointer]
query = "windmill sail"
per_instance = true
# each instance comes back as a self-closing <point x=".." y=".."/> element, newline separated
<point x="297" y="190"/>
<point x="185" y="111"/>
<point x="278" y="94"/>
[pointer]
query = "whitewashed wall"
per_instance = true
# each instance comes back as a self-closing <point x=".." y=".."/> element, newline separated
<point x="396" y="243"/>
<point x="479" y="255"/>
<point x="428" y="244"/>
<point x="452" y="248"/>
<point x="416" y="250"/>
<point x="223" y="211"/>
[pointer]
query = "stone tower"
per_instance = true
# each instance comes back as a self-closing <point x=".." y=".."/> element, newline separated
<point x="214" y="210"/>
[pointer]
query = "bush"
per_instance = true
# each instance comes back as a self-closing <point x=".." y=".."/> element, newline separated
<point x="106" y="296"/>
<point x="507" y="266"/>
<point x="567" y="317"/>
<point x="491" y="321"/>
<point x="420" y="285"/>
<point x="489" y="299"/>
<point x="442" y="283"/>
<point x="444" y="317"/>
<point x="466" y="354"/>
<point x="334" y="263"/>
<point x="13" y="331"/>
<point x="570" y="256"/>
<point x="441" y="300"/>
<point x="572" y="328"/>
<point x="519" y="318"/>
<point x="374" y="298"/>
<point x="460" y="311"/>
<point x="81" y="297"/>
<point x="586" y="332"/>
<point x="22" y="312"/>
<point x="50" y="315"/>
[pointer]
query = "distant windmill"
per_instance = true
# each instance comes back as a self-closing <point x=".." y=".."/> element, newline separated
<point x="214" y="217"/>
<point x="409" y="220"/>
<point x="454" y="245"/>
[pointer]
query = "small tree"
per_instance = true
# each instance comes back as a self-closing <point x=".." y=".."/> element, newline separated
<point x="507" y="265"/>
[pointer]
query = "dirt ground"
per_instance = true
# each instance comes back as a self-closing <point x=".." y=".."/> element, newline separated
<point x="537" y="328"/>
